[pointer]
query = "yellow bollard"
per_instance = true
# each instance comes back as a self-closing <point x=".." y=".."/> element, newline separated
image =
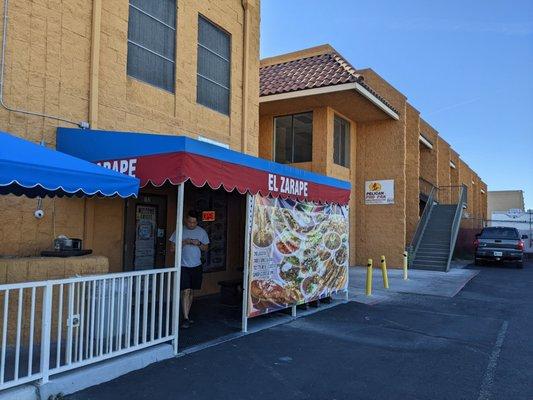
<point x="369" y="278"/>
<point x="384" y="272"/>
<point x="404" y="265"/>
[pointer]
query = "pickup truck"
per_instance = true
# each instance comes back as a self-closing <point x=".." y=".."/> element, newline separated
<point x="499" y="244"/>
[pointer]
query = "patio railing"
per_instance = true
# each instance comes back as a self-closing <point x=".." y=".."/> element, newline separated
<point x="49" y="327"/>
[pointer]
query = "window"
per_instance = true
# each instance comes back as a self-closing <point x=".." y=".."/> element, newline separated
<point x="293" y="138"/>
<point x="341" y="142"/>
<point x="152" y="41"/>
<point x="500" y="233"/>
<point x="213" y="69"/>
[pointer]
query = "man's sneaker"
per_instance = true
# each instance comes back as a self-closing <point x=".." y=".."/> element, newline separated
<point x="186" y="324"/>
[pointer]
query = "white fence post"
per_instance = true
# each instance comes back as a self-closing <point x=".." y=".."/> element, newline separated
<point x="46" y="331"/>
<point x="177" y="265"/>
<point x="250" y="201"/>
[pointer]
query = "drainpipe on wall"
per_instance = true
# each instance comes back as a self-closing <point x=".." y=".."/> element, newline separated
<point x="82" y="124"/>
<point x="95" y="63"/>
<point x="245" y="45"/>
<point x="88" y="215"/>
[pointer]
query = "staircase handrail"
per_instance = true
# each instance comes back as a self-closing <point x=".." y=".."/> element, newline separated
<point x="456" y="224"/>
<point x="422" y="222"/>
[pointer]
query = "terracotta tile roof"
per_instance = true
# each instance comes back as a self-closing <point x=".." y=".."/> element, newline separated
<point x="312" y="72"/>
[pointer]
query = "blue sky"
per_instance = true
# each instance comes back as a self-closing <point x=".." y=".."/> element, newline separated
<point x="466" y="65"/>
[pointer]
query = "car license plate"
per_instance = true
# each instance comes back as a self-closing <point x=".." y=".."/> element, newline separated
<point x="498" y="254"/>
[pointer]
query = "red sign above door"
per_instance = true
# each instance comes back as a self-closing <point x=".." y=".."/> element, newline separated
<point x="208" y="216"/>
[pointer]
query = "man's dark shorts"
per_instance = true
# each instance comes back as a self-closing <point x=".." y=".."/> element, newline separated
<point x="191" y="278"/>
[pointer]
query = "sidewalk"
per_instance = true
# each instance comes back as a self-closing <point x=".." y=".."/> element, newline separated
<point x="471" y="346"/>
<point x="433" y="283"/>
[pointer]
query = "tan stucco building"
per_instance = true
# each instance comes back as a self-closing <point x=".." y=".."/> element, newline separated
<point x="81" y="63"/>
<point x="69" y="66"/>
<point x="388" y="140"/>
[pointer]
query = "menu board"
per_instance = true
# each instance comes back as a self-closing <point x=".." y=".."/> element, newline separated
<point x="299" y="253"/>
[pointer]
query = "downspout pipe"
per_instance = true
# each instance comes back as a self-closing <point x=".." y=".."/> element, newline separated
<point x="95" y="63"/>
<point x="88" y="214"/>
<point x="246" y="41"/>
<point x="82" y="124"/>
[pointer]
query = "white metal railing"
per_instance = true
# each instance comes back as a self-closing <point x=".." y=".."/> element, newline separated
<point x="422" y="222"/>
<point x="50" y="327"/>
<point x="456" y="224"/>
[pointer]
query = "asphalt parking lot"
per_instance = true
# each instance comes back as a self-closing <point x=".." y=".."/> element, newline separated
<point x="475" y="345"/>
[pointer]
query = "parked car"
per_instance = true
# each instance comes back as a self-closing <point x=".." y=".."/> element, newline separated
<point x="499" y="243"/>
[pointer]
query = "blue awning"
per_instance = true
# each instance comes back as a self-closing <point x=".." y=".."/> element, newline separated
<point x="159" y="159"/>
<point x="33" y="170"/>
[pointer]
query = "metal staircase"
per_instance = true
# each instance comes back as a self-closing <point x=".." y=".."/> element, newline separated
<point x="434" y="240"/>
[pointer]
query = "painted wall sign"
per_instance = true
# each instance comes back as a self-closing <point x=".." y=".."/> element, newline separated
<point x="514" y="213"/>
<point x="379" y="192"/>
<point x="285" y="185"/>
<point x="127" y="167"/>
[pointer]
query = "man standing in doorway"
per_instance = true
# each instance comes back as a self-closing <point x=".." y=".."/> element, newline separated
<point x="194" y="241"/>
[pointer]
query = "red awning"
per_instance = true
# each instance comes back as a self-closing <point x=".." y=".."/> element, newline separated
<point x="158" y="159"/>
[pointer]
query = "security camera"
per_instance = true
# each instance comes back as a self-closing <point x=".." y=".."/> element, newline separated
<point x="38" y="214"/>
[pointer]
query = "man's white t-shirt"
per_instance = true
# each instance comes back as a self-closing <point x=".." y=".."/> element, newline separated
<point x="191" y="256"/>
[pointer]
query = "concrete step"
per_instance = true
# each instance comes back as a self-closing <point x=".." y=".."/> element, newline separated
<point x="430" y="262"/>
<point x="432" y="259"/>
<point x="438" y="239"/>
<point x="425" y="265"/>
<point x="436" y="234"/>
<point x="428" y="267"/>
<point x="435" y="241"/>
<point x="433" y="255"/>
<point x="427" y="253"/>
<point x="433" y="245"/>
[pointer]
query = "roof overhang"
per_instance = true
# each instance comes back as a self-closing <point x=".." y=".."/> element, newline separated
<point x="353" y="86"/>
<point x="425" y="142"/>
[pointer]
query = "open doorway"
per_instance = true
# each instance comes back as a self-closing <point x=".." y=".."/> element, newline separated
<point x="217" y="306"/>
<point x="150" y="222"/>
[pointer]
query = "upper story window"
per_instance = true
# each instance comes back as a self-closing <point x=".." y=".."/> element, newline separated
<point x="214" y="52"/>
<point x="152" y="42"/>
<point x="341" y="142"/>
<point x="293" y="138"/>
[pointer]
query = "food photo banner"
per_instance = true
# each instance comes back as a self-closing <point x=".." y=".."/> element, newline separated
<point x="299" y="253"/>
